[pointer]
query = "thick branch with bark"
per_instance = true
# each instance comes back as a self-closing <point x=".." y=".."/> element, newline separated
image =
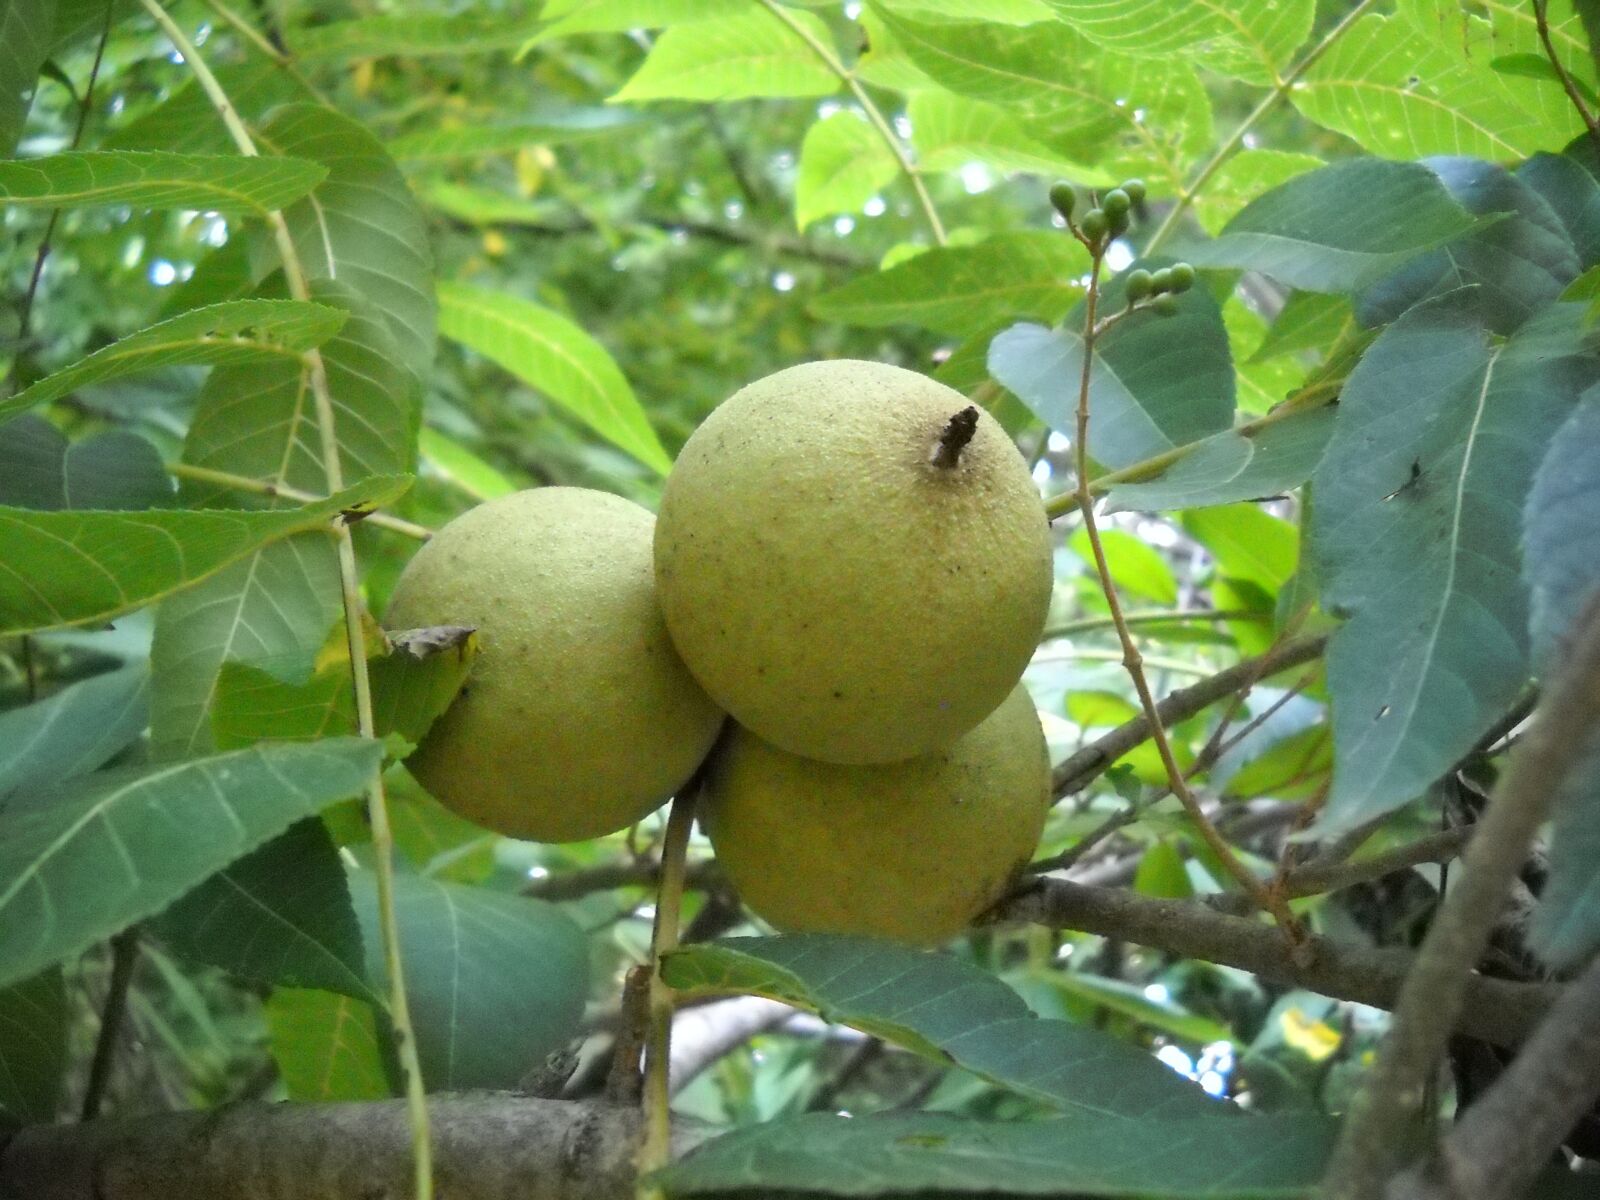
<point x="487" y="1146"/>
<point x="1495" y="1010"/>
<point x="1505" y="1139"/>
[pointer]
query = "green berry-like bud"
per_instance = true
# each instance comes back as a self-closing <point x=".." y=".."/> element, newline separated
<point x="1167" y="306"/>
<point x="1118" y="223"/>
<point x="1182" y="277"/>
<point x="1094" y="224"/>
<point x="1161" y="281"/>
<point x="1062" y="197"/>
<point x="1116" y="203"/>
<point x="1137" y="285"/>
<point x="1135" y="190"/>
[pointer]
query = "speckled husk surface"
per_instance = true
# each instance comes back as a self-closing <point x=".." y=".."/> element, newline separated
<point x="579" y="717"/>
<point x="841" y="594"/>
<point x="911" y="850"/>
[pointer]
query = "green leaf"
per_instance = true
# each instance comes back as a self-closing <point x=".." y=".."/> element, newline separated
<point x="1565" y="930"/>
<point x="257" y="420"/>
<point x="1294" y="767"/>
<point x="26" y="27"/>
<point x="943" y="1010"/>
<point x="567" y="17"/>
<point x="1099" y="710"/>
<point x="1248" y="39"/>
<point x="1134" y="566"/>
<point x="1561" y="539"/>
<point x="116" y="469"/>
<point x="327" y="1046"/>
<point x="412" y="35"/>
<point x="1129" y="999"/>
<point x="187" y="123"/>
<point x="279" y="915"/>
<point x="413" y="679"/>
<point x="91" y="857"/>
<point x="1523" y="260"/>
<point x="843" y="164"/>
<point x="1085" y="1155"/>
<point x="1415" y="535"/>
<point x="1573" y="194"/>
<point x="753" y="53"/>
<point x="1248" y="543"/>
<point x="1156" y="382"/>
<point x="547" y="351"/>
<point x="240" y="331"/>
<point x="495" y="982"/>
<point x="1485" y="36"/>
<point x="1334" y="229"/>
<point x="960" y="290"/>
<point x="449" y="143"/>
<point x="1562" y="566"/>
<point x="1003" y="12"/>
<point x="950" y="132"/>
<point x="1081" y="113"/>
<point x="1162" y="873"/>
<point x="435" y="840"/>
<point x="1231" y="466"/>
<point x="66" y="568"/>
<point x="152" y="179"/>
<point x="450" y="459"/>
<point x="251" y="704"/>
<point x="75" y="731"/>
<point x="415" y="682"/>
<point x="1308" y="321"/>
<point x="1248" y="174"/>
<point x="1401" y="93"/>
<point x="34" y="1021"/>
<point x="361" y="225"/>
<point x="271" y="610"/>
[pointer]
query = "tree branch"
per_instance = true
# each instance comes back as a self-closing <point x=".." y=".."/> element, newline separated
<point x="1079" y="770"/>
<point x="487" y="1146"/>
<point x="1505" y="1139"/>
<point x="646" y="872"/>
<point x="1494" y="1010"/>
<point x="1374" y="1143"/>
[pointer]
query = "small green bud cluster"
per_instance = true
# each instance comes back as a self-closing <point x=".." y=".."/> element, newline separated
<point x="1109" y="219"/>
<point x="1161" y="287"/>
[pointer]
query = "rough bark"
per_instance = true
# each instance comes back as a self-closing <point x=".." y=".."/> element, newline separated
<point x="487" y="1146"/>
<point x="1495" y="1010"/>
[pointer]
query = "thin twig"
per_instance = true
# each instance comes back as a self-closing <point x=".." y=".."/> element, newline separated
<point x="1280" y="91"/>
<point x="625" y="1080"/>
<point x="1315" y="878"/>
<point x="1541" y="20"/>
<point x="1506" y="1138"/>
<point x="656" y="1148"/>
<point x="25" y="309"/>
<point x="377" y="804"/>
<point x="1132" y="660"/>
<point x="1152" y="617"/>
<point x="1084" y="766"/>
<point x="124" y="956"/>
<point x="863" y="1056"/>
<point x="1204" y="761"/>
<point x="1376" y="1140"/>
<point x="873" y="113"/>
<point x="641" y="872"/>
<point x="1316" y="395"/>
<point x="263" y="487"/>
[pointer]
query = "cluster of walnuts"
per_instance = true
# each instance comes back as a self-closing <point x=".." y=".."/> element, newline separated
<point x="851" y="563"/>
